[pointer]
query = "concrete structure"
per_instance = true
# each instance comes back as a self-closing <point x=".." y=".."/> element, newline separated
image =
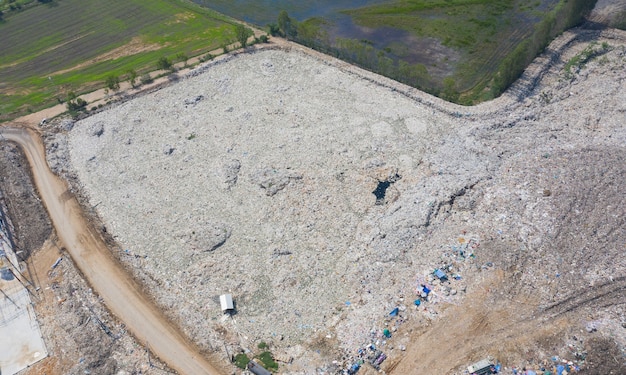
<point x="21" y="344"/>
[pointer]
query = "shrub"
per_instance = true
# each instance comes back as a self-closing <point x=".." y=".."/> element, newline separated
<point x="75" y="104"/>
<point x="273" y="29"/>
<point x="112" y="82"/>
<point x="241" y="360"/>
<point x="164" y="64"/>
<point x="146" y="79"/>
<point x="132" y="77"/>
<point x="264" y="39"/>
<point x="268" y="361"/>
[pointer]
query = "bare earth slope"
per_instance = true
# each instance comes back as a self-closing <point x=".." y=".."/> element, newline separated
<point x="256" y="176"/>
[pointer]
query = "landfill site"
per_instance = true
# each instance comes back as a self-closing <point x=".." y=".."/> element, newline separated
<point x="359" y="225"/>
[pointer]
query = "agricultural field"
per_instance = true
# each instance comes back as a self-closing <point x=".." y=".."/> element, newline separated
<point x="454" y="49"/>
<point x="49" y="50"/>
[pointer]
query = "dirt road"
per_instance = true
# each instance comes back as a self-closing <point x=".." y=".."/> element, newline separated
<point x="120" y="293"/>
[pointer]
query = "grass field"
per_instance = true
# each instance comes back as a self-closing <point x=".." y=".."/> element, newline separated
<point x="51" y="49"/>
<point x="483" y="32"/>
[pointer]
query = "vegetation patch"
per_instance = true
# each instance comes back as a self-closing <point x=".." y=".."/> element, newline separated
<point x="581" y="59"/>
<point x="267" y="361"/>
<point x="497" y="39"/>
<point x="89" y="41"/>
<point x="241" y="360"/>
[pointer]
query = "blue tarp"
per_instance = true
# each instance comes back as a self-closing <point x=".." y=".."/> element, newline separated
<point x="394" y="312"/>
<point x="440" y="274"/>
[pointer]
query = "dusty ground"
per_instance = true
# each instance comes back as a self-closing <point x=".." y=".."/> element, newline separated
<point x="237" y="180"/>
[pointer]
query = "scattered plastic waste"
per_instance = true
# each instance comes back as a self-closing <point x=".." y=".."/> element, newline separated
<point x="394" y="312"/>
<point x="440" y="274"/>
<point x="386" y="333"/>
<point x="380" y="359"/>
<point x="354" y="368"/>
<point x="417" y="302"/>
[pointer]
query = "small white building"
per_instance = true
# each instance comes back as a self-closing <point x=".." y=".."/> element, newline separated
<point x="226" y="300"/>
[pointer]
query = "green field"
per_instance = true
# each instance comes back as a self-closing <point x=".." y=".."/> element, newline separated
<point x="472" y="39"/>
<point x="51" y="49"/>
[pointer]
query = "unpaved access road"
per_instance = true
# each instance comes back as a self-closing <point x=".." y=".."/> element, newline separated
<point x="120" y="293"/>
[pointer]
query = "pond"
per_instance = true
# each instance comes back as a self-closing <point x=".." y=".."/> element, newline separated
<point x="264" y="12"/>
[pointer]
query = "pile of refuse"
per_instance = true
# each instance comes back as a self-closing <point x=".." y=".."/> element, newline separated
<point x="441" y="285"/>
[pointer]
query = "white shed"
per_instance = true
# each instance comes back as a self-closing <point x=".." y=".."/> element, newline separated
<point x="226" y="300"/>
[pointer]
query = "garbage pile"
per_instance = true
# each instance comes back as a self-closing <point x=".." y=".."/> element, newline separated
<point x="443" y="284"/>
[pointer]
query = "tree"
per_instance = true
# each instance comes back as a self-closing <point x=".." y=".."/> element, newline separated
<point x="112" y="82"/>
<point x="164" y="64"/>
<point x="145" y="79"/>
<point x="132" y="77"/>
<point x="74" y="103"/>
<point x="242" y="33"/>
<point x="285" y="25"/>
<point x="273" y="29"/>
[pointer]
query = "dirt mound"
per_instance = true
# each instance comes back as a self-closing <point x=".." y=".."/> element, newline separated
<point x="29" y="217"/>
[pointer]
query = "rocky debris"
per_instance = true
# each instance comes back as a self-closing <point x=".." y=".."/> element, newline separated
<point x="274" y="180"/>
<point x="229" y="172"/>
<point x="57" y="153"/>
<point x="168" y="150"/>
<point x="80" y="334"/>
<point x="206" y="236"/>
<point x="193" y="101"/>
<point x="67" y="125"/>
<point x="96" y="129"/>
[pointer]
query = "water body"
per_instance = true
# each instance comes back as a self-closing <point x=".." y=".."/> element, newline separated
<point x="263" y="12"/>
